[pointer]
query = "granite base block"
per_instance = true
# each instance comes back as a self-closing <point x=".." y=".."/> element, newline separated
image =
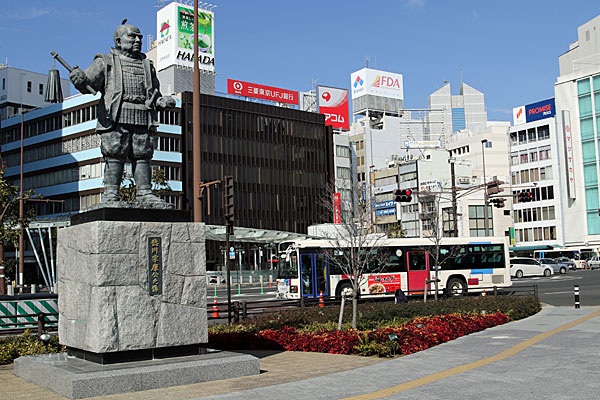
<point x="76" y="379"/>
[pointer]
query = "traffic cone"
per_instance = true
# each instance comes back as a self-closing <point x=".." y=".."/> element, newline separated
<point x="321" y="302"/>
<point x="215" y="313"/>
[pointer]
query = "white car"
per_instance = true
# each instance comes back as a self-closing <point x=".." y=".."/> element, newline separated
<point x="520" y="267"/>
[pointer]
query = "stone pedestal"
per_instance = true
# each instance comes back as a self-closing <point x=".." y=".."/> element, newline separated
<point x="105" y="298"/>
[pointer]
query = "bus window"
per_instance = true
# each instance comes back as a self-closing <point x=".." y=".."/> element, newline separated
<point x="395" y="261"/>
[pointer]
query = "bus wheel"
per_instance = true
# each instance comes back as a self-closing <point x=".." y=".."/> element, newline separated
<point x="456" y="287"/>
<point x="345" y="286"/>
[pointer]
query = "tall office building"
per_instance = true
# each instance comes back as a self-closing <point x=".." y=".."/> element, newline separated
<point x="577" y="93"/>
<point x="465" y="110"/>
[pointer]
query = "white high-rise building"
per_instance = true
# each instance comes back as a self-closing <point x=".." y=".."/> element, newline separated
<point x="465" y="110"/>
<point x="577" y="95"/>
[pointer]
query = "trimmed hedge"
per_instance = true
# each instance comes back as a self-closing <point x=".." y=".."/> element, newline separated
<point x="376" y="315"/>
<point x="418" y="334"/>
<point x="25" y="345"/>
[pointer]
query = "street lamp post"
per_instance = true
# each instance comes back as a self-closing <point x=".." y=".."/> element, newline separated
<point x="486" y="223"/>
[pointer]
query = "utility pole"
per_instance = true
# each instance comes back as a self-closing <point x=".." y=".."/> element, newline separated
<point x="454" y="208"/>
<point x="229" y="213"/>
<point x="486" y="223"/>
<point x="196" y="145"/>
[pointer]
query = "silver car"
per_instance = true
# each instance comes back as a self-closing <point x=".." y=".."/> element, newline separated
<point x="568" y="261"/>
<point x="561" y="268"/>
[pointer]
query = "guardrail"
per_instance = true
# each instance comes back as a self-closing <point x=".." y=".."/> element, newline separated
<point x="241" y="310"/>
<point x="39" y="321"/>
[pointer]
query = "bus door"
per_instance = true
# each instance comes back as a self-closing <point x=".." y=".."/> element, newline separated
<point x="418" y="271"/>
<point x="314" y="275"/>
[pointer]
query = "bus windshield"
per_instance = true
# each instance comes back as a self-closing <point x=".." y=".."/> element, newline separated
<point x="288" y="268"/>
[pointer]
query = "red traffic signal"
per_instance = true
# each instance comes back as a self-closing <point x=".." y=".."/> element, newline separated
<point x="402" y="195"/>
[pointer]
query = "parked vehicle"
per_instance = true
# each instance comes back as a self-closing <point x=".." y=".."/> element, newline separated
<point x="561" y="268"/>
<point x="566" y="260"/>
<point x="520" y="267"/>
<point x="593" y="262"/>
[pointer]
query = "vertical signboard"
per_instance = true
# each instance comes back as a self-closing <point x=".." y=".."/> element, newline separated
<point x="568" y="142"/>
<point x="333" y="103"/>
<point x="175" y="37"/>
<point x="337" y="209"/>
<point x="376" y="83"/>
<point x="519" y="115"/>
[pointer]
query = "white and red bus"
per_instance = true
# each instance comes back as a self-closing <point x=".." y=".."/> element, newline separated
<point x="467" y="265"/>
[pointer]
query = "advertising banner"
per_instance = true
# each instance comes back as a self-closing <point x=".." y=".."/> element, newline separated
<point x="379" y="284"/>
<point x="333" y="103"/>
<point x="533" y="112"/>
<point x="376" y="83"/>
<point x="540" y="110"/>
<point x="519" y="115"/>
<point x="337" y="211"/>
<point x="175" y="37"/>
<point x="257" y="91"/>
<point x="568" y="141"/>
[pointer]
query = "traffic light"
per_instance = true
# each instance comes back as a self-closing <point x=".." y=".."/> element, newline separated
<point x="493" y="187"/>
<point x="228" y="203"/>
<point x="402" y="195"/>
<point x="498" y="202"/>
<point x="525" y="197"/>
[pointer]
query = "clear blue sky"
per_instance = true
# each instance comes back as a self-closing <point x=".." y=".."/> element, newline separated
<point x="506" y="49"/>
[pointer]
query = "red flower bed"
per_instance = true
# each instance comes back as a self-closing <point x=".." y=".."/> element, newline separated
<point x="419" y="334"/>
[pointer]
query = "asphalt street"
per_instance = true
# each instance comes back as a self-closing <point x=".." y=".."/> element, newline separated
<point x="557" y="290"/>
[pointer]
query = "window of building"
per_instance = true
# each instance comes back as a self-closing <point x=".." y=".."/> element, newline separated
<point x="524" y="158"/>
<point x="29" y="86"/>
<point x="343" y="172"/>
<point x="408" y="176"/>
<point x="522" y="137"/>
<point x="531" y="136"/>
<point x="514" y="159"/>
<point x="3" y="83"/>
<point x="543" y="132"/>
<point x="514" y="138"/>
<point x="533" y="156"/>
<point x="477" y="221"/>
<point x="544" y="154"/>
<point x="342" y="151"/>
<point x="41" y="89"/>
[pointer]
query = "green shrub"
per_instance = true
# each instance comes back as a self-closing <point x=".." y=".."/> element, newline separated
<point x="375" y="315"/>
<point x="25" y="345"/>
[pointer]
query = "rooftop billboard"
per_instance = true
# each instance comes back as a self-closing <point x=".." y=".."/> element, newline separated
<point x="377" y="83"/>
<point x="333" y="103"/>
<point x="175" y="37"/>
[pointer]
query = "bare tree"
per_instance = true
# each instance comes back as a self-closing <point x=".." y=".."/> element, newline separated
<point x="354" y="249"/>
<point x="433" y="229"/>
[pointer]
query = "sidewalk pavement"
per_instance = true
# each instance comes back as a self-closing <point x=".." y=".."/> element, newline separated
<point x="536" y="358"/>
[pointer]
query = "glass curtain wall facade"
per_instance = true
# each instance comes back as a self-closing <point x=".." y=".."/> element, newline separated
<point x="281" y="161"/>
<point x="588" y="91"/>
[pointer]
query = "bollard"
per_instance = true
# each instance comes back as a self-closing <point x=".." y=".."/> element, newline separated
<point x="10" y="290"/>
<point x="33" y="289"/>
<point x="41" y="323"/>
<point x="270" y="280"/>
<point x="250" y="279"/>
<point x="244" y="310"/>
<point x="261" y="285"/>
<point x="236" y="311"/>
<point x="495" y="291"/>
<point x="576" y="291"/>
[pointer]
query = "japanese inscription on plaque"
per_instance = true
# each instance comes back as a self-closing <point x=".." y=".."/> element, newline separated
<point x="154" y="266"/>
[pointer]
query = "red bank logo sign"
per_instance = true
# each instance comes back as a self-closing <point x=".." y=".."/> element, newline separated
<point x="333" y="103"/>
<point x="257" y="91"/>
<point x="519" y="115"/>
